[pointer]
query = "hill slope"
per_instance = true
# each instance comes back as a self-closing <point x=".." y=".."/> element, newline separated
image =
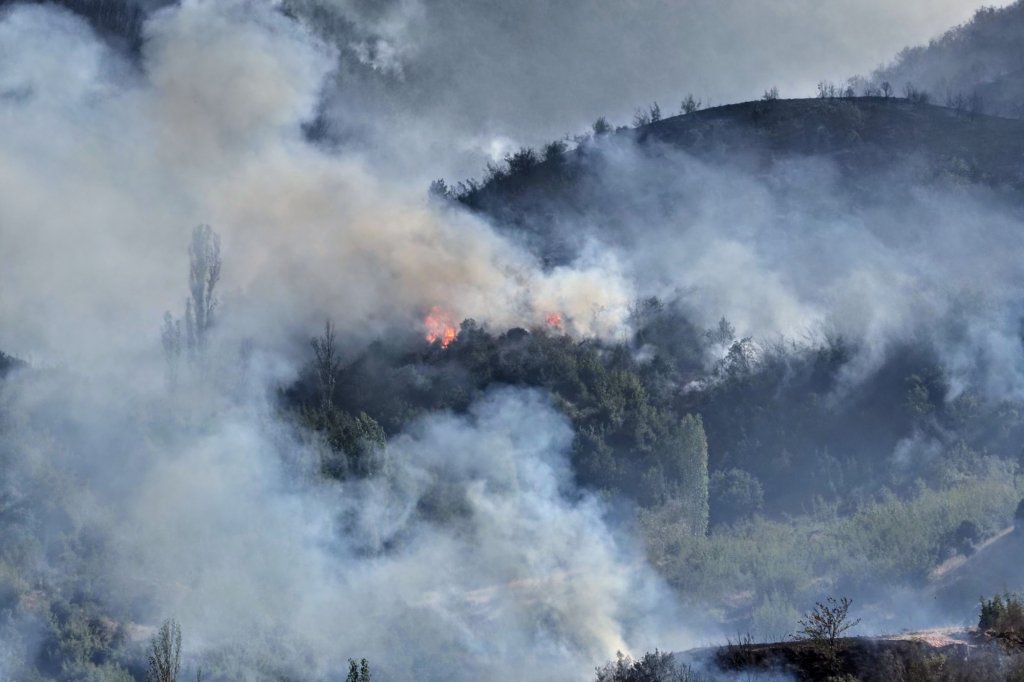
<point x="874" y="143"/>
<point x="984" y="55"/>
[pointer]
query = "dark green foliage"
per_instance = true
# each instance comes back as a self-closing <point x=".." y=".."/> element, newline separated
<point x="734" y="495"/>
<point x="80" y="642"/>
<point x="1003" y="617"/>
<point x="780" y="436"/>
<point x="628" y="439"/>
<point x="355" y="443"/>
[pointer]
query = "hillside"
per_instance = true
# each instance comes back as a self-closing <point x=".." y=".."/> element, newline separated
<point x="874" y="143"/>
<point x="270" y="412"/>
<point x="982" y="56"/>
<point x="994" y="567"/>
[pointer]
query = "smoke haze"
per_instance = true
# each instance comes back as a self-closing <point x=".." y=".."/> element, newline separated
<point x="305" y="133"/>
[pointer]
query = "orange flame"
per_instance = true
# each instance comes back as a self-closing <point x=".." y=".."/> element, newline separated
<point x="440" y="327"/>
<point x="554" y="320"/>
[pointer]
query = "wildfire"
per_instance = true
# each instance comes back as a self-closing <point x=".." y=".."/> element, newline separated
<point x="440" y="327"/>
<point x="554" y="320"/>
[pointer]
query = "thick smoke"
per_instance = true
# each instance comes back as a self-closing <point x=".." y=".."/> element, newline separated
<point x="799" y="248"/>
<point x="208" y="506"/>
<point x="107" y="165"/>
<point x="212" y="511"/>
<point x="208" y="129"/>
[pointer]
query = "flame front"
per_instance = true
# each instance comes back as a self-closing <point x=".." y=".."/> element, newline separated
<point x="554" y="320"/>
<point x="439" y="326"/>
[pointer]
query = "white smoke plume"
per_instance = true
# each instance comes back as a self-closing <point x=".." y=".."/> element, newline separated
<point x="206" y="501"/>
<point x="522" y="579"/>
<point x="802" y="249"/>
<point x="208" y="130"/>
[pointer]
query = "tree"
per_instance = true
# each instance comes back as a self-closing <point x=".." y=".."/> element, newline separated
<point x="358" y="672"/>
<point x="204" y="273"/>
<point x="1002" y="617"/>
<point x="554" y="152"/>
<point x="886" y="87"/>
<point x="165" y="654"/>
<point x="326" y="364"/>
<point x="521" y="161"/>
<point x="827" y="622"/>
<point x="689" y="105"/>
<point x="734" y="494"/>
<point x="689" y="468"/>
<point x="771" y="94"/>
<point x="439" y="189"/>
<point x="644" y="117"/>
<point x="601" y="126"/>
<point x="723" y="335"/>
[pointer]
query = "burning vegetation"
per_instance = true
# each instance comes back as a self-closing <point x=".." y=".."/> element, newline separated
<point x="440" y="327"/>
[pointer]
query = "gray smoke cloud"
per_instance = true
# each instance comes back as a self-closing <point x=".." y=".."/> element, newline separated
<point x="206" y="502"/>
<point x="453" y="81"/>
<point x="209" y="130"/>
<point x="799" y="249"/>
<point x="209" y="502"/>
<point x="214" y="512"/>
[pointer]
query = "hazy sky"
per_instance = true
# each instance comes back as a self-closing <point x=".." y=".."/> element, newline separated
<point x="495" y="73"/>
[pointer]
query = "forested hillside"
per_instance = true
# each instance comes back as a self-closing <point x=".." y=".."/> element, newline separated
<point x="745" y="380"/>
<point x="979" y="63"/>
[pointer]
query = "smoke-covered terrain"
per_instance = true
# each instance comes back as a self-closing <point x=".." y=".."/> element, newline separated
<point x="643" y="388"/>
